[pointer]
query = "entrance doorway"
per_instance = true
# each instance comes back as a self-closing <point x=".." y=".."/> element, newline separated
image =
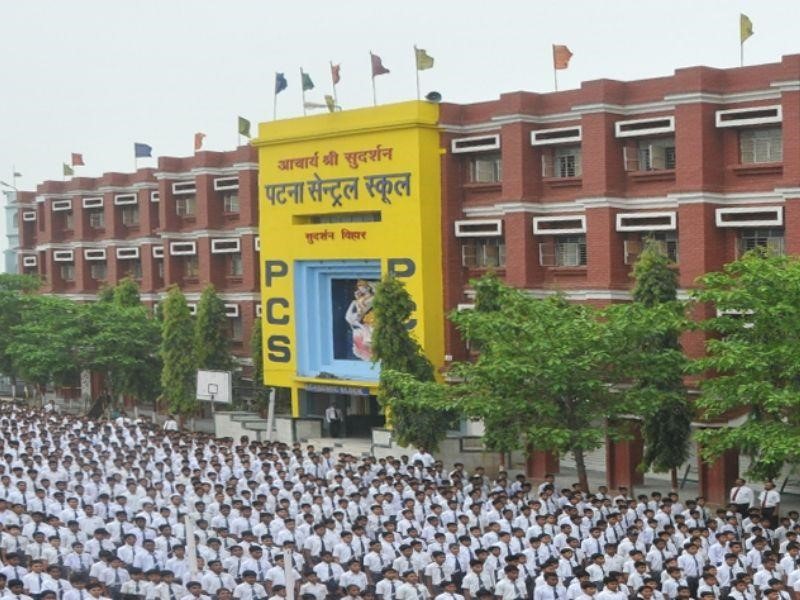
<point x="361" y="412"/>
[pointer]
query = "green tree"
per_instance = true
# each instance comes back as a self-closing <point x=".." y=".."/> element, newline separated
<point x="541" y="379"/>
<point x="400" y="354"/>
<point x="211" y="340"/>
<point x="122" y="341"/>
<point x="45" y="345"/>
<point x="659" y="363"/>
<point x="126" y="293"/>
<point x="12" y="293"/>
<point x="754" y="356"/>
<point x="178" y="372"/>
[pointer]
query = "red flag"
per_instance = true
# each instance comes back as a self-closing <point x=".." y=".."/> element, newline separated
<point x="77" y="160"/>
<point x="377" y="65"/>
<point x="561" y="56"/>
<point x="198" y="140"/>
<point x="335" y="75"/>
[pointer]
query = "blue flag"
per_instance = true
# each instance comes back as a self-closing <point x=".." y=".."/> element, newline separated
<point x="280" y="83"/>
<point x="142" y="150"/>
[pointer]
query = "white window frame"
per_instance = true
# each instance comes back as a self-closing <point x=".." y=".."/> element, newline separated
<point x="61" y="205"/>
<point x="494" y="228"/>
<point x="94" y="254"/>
<point x="28" y="215"/>
<point x="537" y="141"/>
<point x="192" y="308"/>
<point x="537" y="221"/>
<point x="180" y="188"/>
<point x="127" y="253"/>
<point x="182" y="248"/>
<point x="744" y="120"/>
<point x="158" y="251"/>
<point x="226" y="183"/>
<point x="155" y="197"/>
<point x="63" y="256"/>
<point x="226" y="246"/>
<point x="776" y="221"/>
<point x="646" y="216"/>
<point x="258" y="310"/>
<point x="93" y="202"/>
<point x="124" y="199"/>
<point x="492" y="143"/>
<point x="655" y="130"/>
<point x="231" y="310"/>
<point x="29" y="261"/>
<point x="257" y="243"/>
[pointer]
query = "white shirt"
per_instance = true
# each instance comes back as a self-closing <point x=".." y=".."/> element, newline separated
<point x="769" y="498"/>
<point x="741" y="495"/>
<point x="511" y="590"/>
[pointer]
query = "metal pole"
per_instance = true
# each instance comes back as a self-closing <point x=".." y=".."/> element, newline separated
<point x="416" y="69"/>
<point x="271" y="414"/>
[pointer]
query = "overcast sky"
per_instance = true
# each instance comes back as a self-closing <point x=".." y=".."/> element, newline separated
<point x="95" y="76"/>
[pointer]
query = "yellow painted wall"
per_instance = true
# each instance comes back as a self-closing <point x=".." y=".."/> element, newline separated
<point x="410" y="226"/>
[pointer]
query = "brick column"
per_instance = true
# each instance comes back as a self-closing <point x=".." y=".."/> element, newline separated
<point x="604" y="250"/>
<point x="791" y="228"/>
<point x="539" y="463"/>
<point x="149" y="268"/>
<point x="716" y="478"/>
<point x="624" y="456"/>
<point x="790" y="103"/>
<point x="522" y="251"/>
<point x="207" y="217"/>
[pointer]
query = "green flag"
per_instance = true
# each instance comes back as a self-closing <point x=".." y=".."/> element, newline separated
<point x="244" y="127"/>
<point x="424" y="60"/>
<point x="307" y="83"/>
<point x="68" y="171"/>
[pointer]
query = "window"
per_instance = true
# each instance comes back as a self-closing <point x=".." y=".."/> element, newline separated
<point x="561" y="162"/>
<point x="485" y="168"/>
<point x="13" y="220"/>
<point x="190" y="267"/>
<point x="235" y="265"/>
<point x="133" y="269"/>
<point x="69" y="222"/>
<point x="230" y="202"/>
<point x="97" y="219"/>
<point x="67" y="272"/>
<point x="665" y="241"/>
<point x="98" y="271"/>
<point x="482" y="253"/>
<point x="563" y="251"/>
<point x="571" y="251"/>
<point x="160" y="269"/>
<point x="769" y="238"/>
<point x="185" y="206"/>
<point x="760" y="145"/>
<point x="650" y="155"/>
<point x="130" y="215"/>
<point x="235" y="329"/>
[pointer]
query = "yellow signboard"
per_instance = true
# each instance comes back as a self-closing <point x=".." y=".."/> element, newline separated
<point x="346" y="198"/>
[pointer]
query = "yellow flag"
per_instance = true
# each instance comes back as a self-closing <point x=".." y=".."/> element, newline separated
<point x="424" y="60"/>
<point x="745" y="27"/>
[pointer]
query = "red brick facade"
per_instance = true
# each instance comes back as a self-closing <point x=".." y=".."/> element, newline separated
<point x="189" y="222"/>
<point x="705" y="160"/>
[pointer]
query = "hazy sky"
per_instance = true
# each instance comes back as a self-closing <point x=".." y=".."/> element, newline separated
<point x="94" y="76"/>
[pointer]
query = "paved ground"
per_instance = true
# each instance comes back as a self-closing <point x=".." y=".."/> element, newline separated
<point x="565" y="478"/>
